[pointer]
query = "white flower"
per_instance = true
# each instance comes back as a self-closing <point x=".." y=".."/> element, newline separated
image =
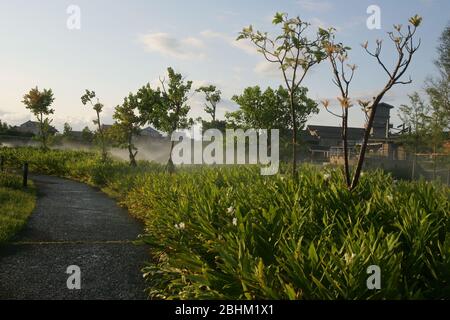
<point x="230" y="210"/>
<point x="363" y="174"/>
<point x="349" y="257"/>
<point x="180" y="226"/>
<point x="326" y="176"/>
<point x="234" y="221"/>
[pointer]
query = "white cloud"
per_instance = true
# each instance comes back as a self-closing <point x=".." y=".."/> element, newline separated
<point x="14" y="118"/>
<point x="193" y="42"/>
<point x="243" y="45"/>
<point x="165" y="44"/>
<point x="318" y="23"/>
<point x="315" y="5"/>
<point x="266" y="68"/>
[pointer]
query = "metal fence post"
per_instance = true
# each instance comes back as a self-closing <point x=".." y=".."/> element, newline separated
<point x="25" y="174"/>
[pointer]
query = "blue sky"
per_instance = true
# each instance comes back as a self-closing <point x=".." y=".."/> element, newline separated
<point x="124" y="44"/>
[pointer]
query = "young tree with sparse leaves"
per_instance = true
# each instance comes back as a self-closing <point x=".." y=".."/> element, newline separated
<point x="89" y="97"/>
<point x="212" y="96"/>
<point x="295" y="54"/>
<point x="39" y="102"/>
<point x="406" y="47"/>
<point x="343" y="74"/>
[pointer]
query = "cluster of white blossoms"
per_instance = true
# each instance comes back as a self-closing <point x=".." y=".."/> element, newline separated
<point x="349" y="257"/>
<point x="180" y="226"/>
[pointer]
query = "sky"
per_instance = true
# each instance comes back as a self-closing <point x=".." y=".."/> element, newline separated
<point x="122" y="45"/>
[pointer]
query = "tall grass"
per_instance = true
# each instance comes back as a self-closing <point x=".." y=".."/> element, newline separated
<point x="16" y="204"/>
<point x="230" y="233"/>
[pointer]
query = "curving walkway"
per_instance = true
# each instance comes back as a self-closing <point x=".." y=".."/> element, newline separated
<point x="74" y="224"/>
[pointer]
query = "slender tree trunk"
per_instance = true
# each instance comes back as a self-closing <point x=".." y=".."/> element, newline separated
<point x="413" y="175"/>
<point x="345" y="140"/>
<point x="170" y="165"/>
<point x="362" y="152"/>
<point x="434" y="161"/>
<point x="294" y="135"/>
<point x="131" y="152"/>
<point x="102" y="138"/>
<point x="42" y="132"/>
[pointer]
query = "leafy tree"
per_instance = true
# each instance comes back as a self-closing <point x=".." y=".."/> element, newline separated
<point x="415" y="117"/>
<point x="39" y="102"/>
<point x="89" y="97"/>
<point x="67" y="130"/>
<point x="4" y="128"/>
<point x="212" y="99"/>
<point x="294" y="53"/>
<point x="270" y="109"/>
<point x="127" y="125"/>
<point x="438" y="88"/>
<point x="436" y="135"/>
<point x="150" y="106"/>
<point x="87" y="135"/>
<point x="172" y="109"/>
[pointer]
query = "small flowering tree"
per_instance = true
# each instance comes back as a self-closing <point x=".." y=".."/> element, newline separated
<point x="342" y="77"/>
<point x="343" y="73"/>
<point x="294" y="53"/>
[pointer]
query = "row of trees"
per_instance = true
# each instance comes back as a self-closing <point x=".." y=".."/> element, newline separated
<point x="286" y="108"/>
<point x="166" y="109"/>
<point x="296" y="53"/>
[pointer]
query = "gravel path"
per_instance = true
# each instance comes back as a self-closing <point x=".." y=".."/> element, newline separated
<point x="74" y="224"/>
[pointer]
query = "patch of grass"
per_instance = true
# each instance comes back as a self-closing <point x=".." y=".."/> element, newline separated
<point x="230" y="233"/>
<point x="16" y="205"/>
